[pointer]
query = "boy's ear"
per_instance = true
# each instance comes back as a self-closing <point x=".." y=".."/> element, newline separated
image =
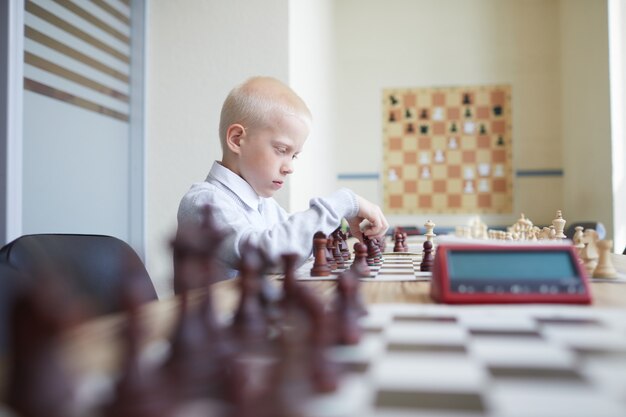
<point x="234" y="134"/>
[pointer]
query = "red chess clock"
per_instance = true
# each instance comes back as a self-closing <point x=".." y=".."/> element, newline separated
<point x="472" y="273"/>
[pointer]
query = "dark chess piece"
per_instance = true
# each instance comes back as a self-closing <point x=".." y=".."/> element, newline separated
<point x="330" y="259"/>
<point x="198" y="349"/>
<point x="427" y="257"/>
<point x="424" y="129"/>
<point x="360" y="265"/>
<point x="337" y="256"/>
<point x="393" y="100"/>
<point x="346" y="310"/>
<point x="39" y="382"/>
<point x="466" y="99"/>
<point x="500" y="141"/>
<point x="398" y="245"/>
<point x="320" y="266"/>
<point x="372" y="250"/>
<point x="198" y="243"/>
<point x="497" y="110"/>
<point x="142" y="391"/>
<point x="424" y="114"/>
<point x="392" y="117"/>
<point x="250" y="324"/>
<point x="453" y="128"/>
<point x="343" y="239"/>
<point x="468" y="112"/>
<point x="407" y="114"/>
<point x="483" y="130"/>
<point x="409" y="128"/>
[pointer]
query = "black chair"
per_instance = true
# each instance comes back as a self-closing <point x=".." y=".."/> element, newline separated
<point x="597" y="226"/>
<point x="94" y="266"/>
<point x="11" y="283"/>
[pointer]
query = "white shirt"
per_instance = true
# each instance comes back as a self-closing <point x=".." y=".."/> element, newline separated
<point x="245" y="216"/>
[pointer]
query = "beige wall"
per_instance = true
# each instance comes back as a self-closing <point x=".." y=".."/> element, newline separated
<point x="411" y="43"/>
<point x="586" y="111"/>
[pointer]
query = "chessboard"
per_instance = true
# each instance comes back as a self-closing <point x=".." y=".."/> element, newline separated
<point x="447" y="150"/>
<point x="405" y="265"/>
<point x="394" y="266"/>
<point x="426" y="360"/>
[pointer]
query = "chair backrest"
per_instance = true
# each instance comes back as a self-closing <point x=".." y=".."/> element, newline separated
<point x="597" y="226"/>
<point x="95" y="266"/>
<point x="11" y="282"/>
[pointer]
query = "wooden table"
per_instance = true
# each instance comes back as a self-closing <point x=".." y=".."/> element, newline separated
<point x="95" y="346"/>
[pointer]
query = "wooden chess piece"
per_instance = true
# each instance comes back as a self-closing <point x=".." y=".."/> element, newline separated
<point x="427" y="257"/>
<point x="360" y="265"/>
<point x="605" y="267"/>
<point x="330" y="259"/>
<point x="398" y="238"/>
<point x="559" y="225"/>
<point x="320" y="266"/>
<point x="346" y="311"/>
<point x="589" y="253"/>
<point x="39" y="381"/>
<point x="337" y="256"/>
<point x="430" y="227"/>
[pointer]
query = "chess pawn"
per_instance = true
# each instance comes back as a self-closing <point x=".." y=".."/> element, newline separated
<point x="589" y="253"/>
<point x="605" y="268"/>
<point x="398" y="246"/>
<point x="320" y="265"/>
<point x="577" y="240"/>
<point x="427" y="257"/>
<point x="360" y="265"/>
<point x="559" y="225"/>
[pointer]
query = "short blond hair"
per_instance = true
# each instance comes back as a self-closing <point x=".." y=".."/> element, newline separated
<point x="254" y="102"/>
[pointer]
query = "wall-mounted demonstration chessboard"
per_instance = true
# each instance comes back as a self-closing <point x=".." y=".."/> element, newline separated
<point x="447" y="150"/>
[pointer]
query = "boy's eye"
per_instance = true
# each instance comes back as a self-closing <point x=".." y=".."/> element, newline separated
<point x="295" y="156"/>
<point x="281" y="150"/>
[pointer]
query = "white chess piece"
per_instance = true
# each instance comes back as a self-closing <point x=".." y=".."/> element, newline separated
<point x="429" y="226"/>
<point x="498" y="170"/>
<point x="469" y="187"/>
<point x="425" y="173"/>
<point x="468" y="173"/>
<point x="483" y="169"/>
<point x="605" y="267"/>
<point x="439" y="158"/>
<point x="424" y="158"/>
<point x="438" y="113"/>
<point x="393" y="176"/>
<point x="559" y="225"/>
<point x="468" y="128"/>
<point x="589" y="254"/>
<point x="452" y="143"/>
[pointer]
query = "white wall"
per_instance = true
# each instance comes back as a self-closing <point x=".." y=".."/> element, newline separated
<point x="197" y="50"/>
<point x="311" y="39"/>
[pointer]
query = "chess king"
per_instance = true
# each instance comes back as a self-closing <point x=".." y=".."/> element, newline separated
<point x="263" y="127"/>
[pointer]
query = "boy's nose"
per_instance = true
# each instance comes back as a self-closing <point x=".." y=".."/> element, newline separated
<point x="287" y="168"/>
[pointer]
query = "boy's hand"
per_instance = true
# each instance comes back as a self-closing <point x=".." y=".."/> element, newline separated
<point x="370" y="220"/>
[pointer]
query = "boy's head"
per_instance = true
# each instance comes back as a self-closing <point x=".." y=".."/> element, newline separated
<point x="263" y="127"/>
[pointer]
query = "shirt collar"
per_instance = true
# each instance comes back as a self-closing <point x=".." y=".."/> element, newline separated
<point x="236" y="184"/>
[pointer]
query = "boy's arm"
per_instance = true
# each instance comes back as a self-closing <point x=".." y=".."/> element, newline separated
<point x="292" y="233"/>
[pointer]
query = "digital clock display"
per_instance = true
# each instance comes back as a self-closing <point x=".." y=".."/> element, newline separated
<point x="467" y="265"/>
<point x="466" y="273"/>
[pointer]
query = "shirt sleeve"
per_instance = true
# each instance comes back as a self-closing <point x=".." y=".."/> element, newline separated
<point x="291" y="234"/>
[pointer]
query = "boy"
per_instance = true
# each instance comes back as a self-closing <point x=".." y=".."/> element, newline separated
<point x="263" y="127"/>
